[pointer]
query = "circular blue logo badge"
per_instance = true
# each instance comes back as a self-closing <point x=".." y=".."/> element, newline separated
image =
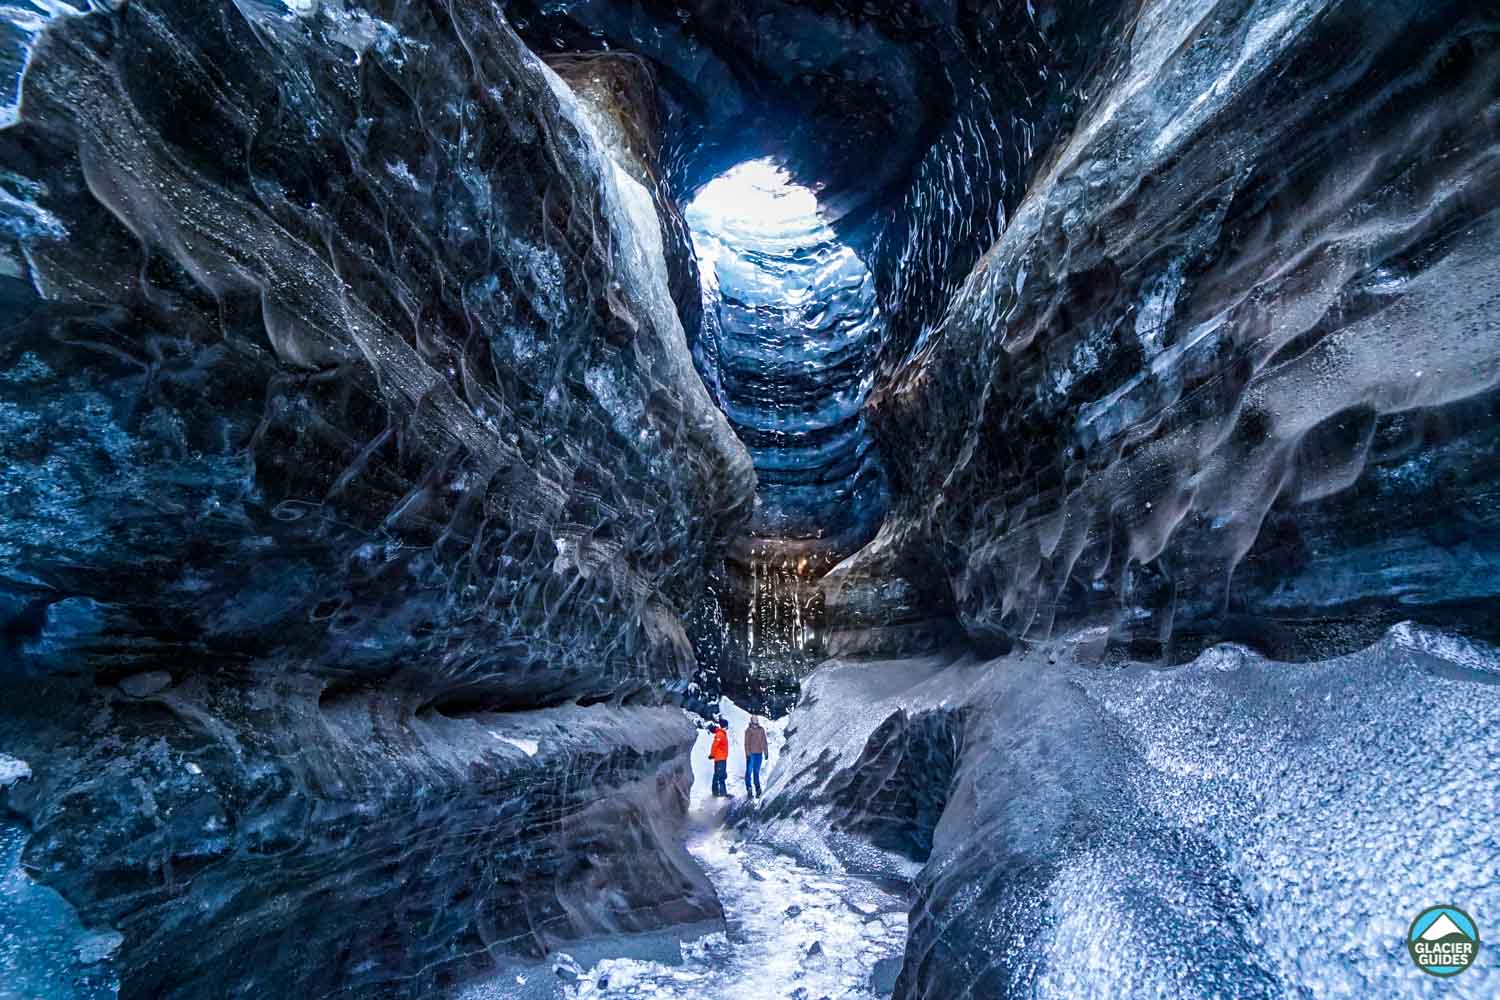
<point x="1443" y="940"/>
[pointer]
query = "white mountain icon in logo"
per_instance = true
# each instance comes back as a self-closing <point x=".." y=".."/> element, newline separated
<point x="1441" y="928"/>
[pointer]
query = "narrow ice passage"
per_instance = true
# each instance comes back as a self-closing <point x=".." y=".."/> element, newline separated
<point x="1082" y="415"/>
<point x="792" y="931"/>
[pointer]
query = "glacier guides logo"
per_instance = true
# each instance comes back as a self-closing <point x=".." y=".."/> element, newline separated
<point x="1443" y="940"/>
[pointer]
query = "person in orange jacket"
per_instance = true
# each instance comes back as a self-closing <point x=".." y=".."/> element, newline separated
<point x="719" y="754"/>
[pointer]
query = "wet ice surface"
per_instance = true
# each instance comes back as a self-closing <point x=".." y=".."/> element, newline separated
<point x="792" y="931"/>
<point x="44" y="953"/>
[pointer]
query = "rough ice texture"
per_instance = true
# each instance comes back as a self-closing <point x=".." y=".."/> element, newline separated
<point x="882" y="603"/>
<point x="342" y="398"/>
<point x="1231" y="827"/>
<point x="275" y="841"/>
<point x="1230" y="370"/>
<point x="1016" y="77"/>
<point x="45" y="953"/>
<point x="790" y="336"/>
<point x="618" y="94"/>
<point x="377" y="364"/>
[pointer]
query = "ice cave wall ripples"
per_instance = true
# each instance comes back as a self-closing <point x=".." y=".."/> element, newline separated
<point x="787" y="352"/>
<point x="1017" y="76"/>
<point x="440" y="295"/>
<point x="349" y="437"/>
<point x="1240" y="354"/>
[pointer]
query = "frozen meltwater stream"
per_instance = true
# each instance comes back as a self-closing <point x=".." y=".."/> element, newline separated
<point x="793" y="932"/>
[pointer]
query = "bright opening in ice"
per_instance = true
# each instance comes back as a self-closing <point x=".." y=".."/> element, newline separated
<point x="758" y="196"/>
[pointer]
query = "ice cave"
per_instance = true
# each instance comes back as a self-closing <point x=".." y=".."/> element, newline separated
<point x="431" y="429"/>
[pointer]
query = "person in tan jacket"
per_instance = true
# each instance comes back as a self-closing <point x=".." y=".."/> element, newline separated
<point x="756" y="750"/>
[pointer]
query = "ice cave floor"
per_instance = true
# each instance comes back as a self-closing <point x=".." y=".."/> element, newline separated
<point x="791" y="931"/>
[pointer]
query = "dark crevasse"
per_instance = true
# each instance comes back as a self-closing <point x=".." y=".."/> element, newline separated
<point x="390" y="434"/>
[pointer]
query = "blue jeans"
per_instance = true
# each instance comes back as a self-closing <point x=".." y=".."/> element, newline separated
<point x="752" y="773"/>
<point x="721" y="777"/>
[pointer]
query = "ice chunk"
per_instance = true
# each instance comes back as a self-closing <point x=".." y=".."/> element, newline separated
<point x="13" y="770"/>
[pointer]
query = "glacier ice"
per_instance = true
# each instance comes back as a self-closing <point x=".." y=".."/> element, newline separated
<point x="1273" y="457"/>
<point x="1232" y="826"/>
<point x="395" y="439"/>
<point x="347" y="419"/>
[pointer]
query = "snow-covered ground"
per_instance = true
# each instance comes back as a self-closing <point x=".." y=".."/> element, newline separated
<point x="793" y="932"/>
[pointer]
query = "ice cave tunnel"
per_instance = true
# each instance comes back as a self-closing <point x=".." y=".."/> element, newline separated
<point x="1073" y="426"/>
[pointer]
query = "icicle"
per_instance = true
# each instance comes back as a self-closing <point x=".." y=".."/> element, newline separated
<point x="797" y="605"/>
<point x="754" y="591"/>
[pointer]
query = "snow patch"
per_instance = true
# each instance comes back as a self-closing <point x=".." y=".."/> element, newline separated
<point x="528" y="747"/>
<point x="1456" y="649"/>
<point x="13" y="770"/>
<point x="793" y="932"/>
<point x="98" y="947"/>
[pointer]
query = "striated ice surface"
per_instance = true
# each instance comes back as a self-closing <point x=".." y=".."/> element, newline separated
<point x="788" y="350"/>
<point x="1229" y="368"/>
<point x="376" y="388"/>
<point x="347" y="423"/>
<point x="788" y="344"/>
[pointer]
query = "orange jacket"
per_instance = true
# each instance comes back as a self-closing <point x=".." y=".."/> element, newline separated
<point x="720" y="749"/>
